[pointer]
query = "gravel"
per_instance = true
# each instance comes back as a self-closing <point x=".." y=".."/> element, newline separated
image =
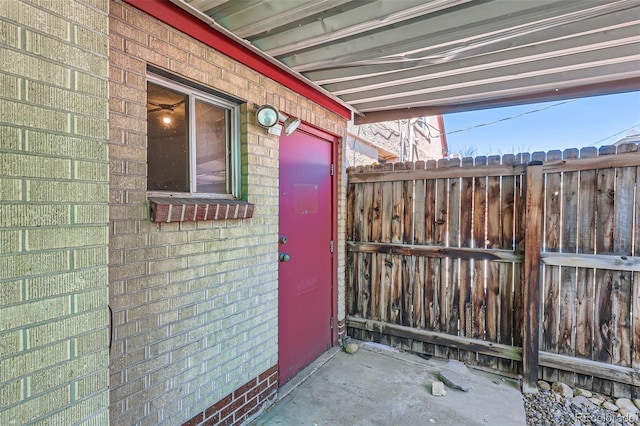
<point x="552" y="409"/>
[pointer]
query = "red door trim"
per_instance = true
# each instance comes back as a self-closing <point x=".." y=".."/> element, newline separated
<point x="318" y="132"/>
<point x="183" y="21"/>
<point x="334" y="214"/>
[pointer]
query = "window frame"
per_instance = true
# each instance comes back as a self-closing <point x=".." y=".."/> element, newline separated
<point x="232" y="150"/>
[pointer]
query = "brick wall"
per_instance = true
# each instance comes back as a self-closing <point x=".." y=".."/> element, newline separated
<point x="195" y="303"/>
<point x="53" y="212"/>
<point x="241" y="405"/>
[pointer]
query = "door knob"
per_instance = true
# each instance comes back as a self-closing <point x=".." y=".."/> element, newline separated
<point x="284" y="257"/>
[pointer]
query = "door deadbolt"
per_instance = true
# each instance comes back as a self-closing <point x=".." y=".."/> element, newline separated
<point x="283" y="239"/>
<point x="284" y="257"/>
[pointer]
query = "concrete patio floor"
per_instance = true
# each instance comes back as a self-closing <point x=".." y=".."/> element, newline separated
<point x="380" y="386"/>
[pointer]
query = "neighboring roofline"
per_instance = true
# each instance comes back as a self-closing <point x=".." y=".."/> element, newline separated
<point x="192" y="22"/>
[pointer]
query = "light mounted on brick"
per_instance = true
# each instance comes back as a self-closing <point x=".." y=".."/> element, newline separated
<point x="268" y="116"/>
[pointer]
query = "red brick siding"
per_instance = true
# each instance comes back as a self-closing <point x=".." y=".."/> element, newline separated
<point x="165" y="209"/>
<point x="240" y="405"/>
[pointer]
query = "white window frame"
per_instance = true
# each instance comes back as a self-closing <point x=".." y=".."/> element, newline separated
<point x="232" y="159"/>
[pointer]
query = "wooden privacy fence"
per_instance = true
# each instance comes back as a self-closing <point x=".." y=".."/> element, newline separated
<point x="525" y="264"/>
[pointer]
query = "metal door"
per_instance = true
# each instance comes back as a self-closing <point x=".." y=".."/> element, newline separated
<point x="305" y="251"/>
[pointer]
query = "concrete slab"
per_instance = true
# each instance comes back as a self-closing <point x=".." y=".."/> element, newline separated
<point x="381" y="386"/>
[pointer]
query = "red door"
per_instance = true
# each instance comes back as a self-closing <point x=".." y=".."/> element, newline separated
<point x="305" y="272"/>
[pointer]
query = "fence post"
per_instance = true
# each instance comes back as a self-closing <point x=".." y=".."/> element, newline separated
<point x="531" y="291"/>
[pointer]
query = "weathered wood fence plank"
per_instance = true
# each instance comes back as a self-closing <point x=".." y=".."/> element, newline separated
<point x="453" y="240"/>
<point x="585" y="287"/>
<point x="506" y="278"/>
<point x="551" y="274"/>
<point x="635" y="292"/>
<point x="568" y="275"/>
<point x="496" y="255"/>
<point x="531" y="291"/>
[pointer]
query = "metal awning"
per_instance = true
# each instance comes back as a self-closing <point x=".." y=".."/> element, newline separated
<point x="402" y="58"/>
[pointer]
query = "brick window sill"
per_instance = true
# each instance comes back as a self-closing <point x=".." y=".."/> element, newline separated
<point x="188" y="209"/>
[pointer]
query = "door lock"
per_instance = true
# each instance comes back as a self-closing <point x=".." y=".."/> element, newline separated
<point x="284" y="257"/>
<point x="283" y="239"/>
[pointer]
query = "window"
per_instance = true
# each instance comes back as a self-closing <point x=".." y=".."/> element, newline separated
<point x="193" y="141"/>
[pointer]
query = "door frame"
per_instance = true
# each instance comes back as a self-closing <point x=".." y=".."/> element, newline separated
<point x="335" y="142"/>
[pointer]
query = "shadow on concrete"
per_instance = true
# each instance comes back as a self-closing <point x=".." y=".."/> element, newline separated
<point x="381" y="386"/>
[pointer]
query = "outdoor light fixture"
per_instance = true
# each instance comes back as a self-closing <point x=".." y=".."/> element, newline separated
<point x="267" y="116"/>
<point x="291" y="124"/>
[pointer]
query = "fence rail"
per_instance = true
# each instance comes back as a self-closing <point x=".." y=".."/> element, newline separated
<point x="525" y="264"/>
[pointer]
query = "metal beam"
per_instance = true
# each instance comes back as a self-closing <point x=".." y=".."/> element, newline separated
<point x="266" y="16"/>
<point x="337" y="75"/>
<point x="374" y="73"/>
<point x="609" y="87"/>
<point x="368" y="17"/>
<point x="205" y="5"/>
<point x="560" y="42"/>
<point x="529" y="67"/>
<point x="511" y="86"/>
<point x="472" y="21"/>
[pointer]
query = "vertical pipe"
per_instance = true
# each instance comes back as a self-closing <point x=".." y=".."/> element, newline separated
<point x="401" y="142"/>
<point x="411" y="139"/>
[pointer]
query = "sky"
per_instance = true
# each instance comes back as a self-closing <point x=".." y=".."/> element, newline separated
<point x="576" y="123"/>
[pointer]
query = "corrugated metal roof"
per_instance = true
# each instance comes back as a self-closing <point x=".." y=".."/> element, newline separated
<point x="413" y="57"/>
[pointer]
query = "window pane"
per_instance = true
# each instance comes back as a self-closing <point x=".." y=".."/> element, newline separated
<point x="168" y="140"/>
<point x="211" y="148"/>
